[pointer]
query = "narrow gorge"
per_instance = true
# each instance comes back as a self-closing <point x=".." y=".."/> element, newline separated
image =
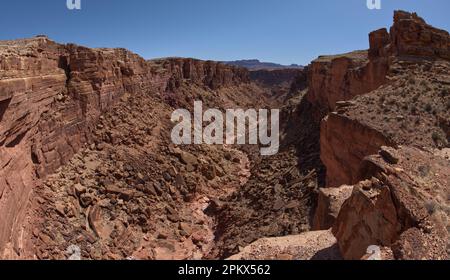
<point x="88" y="169"/>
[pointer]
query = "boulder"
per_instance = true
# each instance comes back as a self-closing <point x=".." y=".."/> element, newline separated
<point x="328" y="206"/>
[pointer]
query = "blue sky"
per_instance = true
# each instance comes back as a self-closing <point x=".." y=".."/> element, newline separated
<point x="283" y="31"/>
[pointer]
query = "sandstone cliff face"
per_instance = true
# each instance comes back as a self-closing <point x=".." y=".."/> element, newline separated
<point x="399" y="196"/>
<point x="342" y="77"/>
<point x="205" y="73"/>
<point x="51" y="97"/>
<point x="344" y="144"/>
<point x="404" y="110"/>
<point x="329" y="205"/>
<point x="403" y="205"/>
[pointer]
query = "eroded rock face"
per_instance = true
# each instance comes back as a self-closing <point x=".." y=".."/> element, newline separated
<point x="412" y="36"/>
<point x="409" y="109"/>
<point x="52" y="96"/>
<point x="205" y="73"/>
<point x="342" y="77"/>
<point x="359" y="224"/>
<point x="399" y="196"/>
<point x="329" y="205"/>
<point x="402" y="205"/>
<point x="344" y="144"/>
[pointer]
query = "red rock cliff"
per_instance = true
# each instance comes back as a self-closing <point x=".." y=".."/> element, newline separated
<point x="356" y="130"/>
<point x="51" y="97"/>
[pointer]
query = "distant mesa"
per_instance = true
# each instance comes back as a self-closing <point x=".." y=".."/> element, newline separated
<point x="255" y="64"/>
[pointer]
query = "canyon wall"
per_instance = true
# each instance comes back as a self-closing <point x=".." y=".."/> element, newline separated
<point x="398" y="193"/>
<point x="51" y="97"/>
<point x="346" y="138"/>
<point x="344" y="144"/>
<point x="277" y="77"/>
<point x="205" y="73"/>
<point x="384" y="143"/>
<point x="342" y="77"/>
<point x="394" y="206"/>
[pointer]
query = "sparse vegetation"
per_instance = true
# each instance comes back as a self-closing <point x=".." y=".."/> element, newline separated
<point x="431" y="207"/>
<point x="439" y="139"/>
<point x="424" y="171"/>
<point x="445" y="92"/>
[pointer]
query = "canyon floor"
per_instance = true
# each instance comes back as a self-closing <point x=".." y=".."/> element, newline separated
<point x="88" y="169"/>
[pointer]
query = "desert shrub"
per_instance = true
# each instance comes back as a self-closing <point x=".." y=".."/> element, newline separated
<point x="424" y="170"/>
<point x="445" y="92"/>
<point x="428" y="107"/>
<point x="432" y="207"/>
<point x="438" y="138"/>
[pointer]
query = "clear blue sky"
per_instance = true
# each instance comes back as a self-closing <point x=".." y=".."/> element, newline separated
<point x="283" y="31"/>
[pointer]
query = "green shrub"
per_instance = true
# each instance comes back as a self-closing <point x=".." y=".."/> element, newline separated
<point x="437" y="137"/>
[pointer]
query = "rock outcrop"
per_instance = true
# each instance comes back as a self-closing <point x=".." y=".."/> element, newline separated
<point x="398" y="201"/>
<point x="342" y="77"/>
<point x="412" y="36"/>
<point x="344" y="144"/>
<point x="403" y="205"/>
<point x="415" y="93"/>
<point x="205" y="73"/>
